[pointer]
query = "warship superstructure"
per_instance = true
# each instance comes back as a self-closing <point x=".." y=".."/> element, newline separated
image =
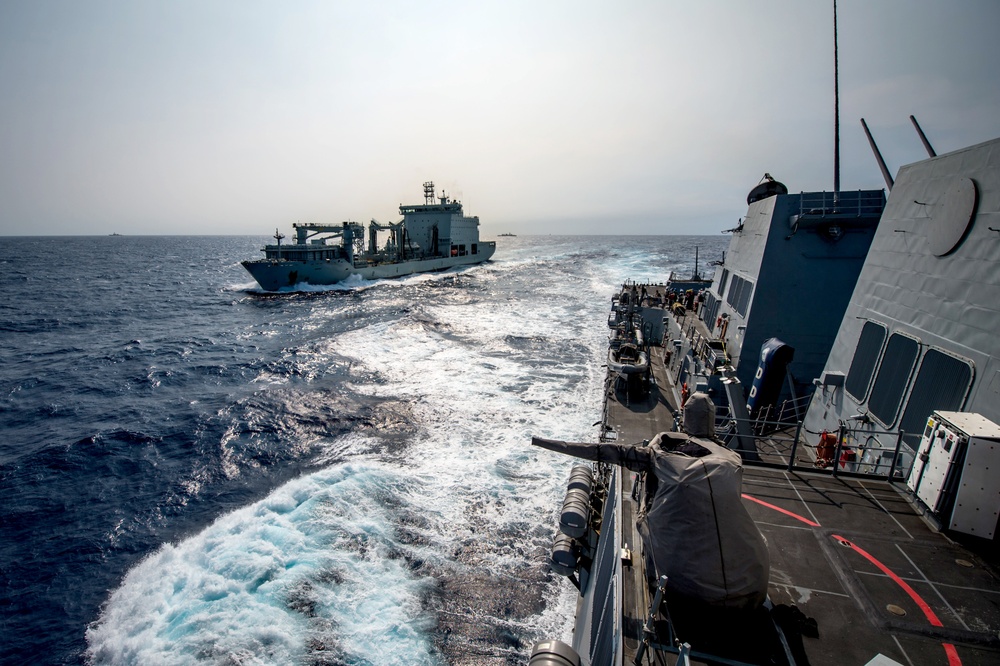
<point x="864" y="414"/>
<point x="798" y="253"/>
<point x="920" y="332"/>
<point x="432" y="236"/>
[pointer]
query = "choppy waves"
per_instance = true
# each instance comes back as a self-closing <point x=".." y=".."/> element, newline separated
<point x="315" y="573"/>
<point x="339" y="475"/>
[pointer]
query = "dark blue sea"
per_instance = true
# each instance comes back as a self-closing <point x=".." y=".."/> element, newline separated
<point x="196" y="471"/>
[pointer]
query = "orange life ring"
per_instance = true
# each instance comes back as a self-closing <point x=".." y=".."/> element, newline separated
<point x="825" y="448"/>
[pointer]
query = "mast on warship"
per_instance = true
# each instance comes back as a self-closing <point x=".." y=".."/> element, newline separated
<point x="836" y="113"/>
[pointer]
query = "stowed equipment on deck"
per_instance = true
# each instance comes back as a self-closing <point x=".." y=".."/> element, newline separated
<point x="694" y="528"/>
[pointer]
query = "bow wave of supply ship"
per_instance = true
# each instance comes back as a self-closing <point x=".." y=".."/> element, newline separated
<point x="432" y="236"/>
<point x="797" y="460"/>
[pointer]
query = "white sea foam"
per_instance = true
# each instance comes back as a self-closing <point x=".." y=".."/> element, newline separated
<point x="354" y="283"/>
<point x="250" y="286"/>
<point x="323" y="564"/>
<point x="311" y="569"/>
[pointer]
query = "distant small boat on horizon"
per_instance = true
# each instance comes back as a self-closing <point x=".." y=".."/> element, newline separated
<point x="114" y="234"/>
<point x="508" y="235"/>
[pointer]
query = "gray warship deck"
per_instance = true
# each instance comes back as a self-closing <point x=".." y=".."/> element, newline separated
<point x="856" y="570"/>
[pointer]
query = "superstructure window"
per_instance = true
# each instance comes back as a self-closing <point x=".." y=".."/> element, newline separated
<point x="942" y="383"/>
<point x="859" y="377"/>
<point x="744" y="302"/>
<point x="740" y="290"/>
<point x="710" y="310"/>
<point x="723" y="280"/>
<point x="734" y="290"/>
<point x="893" y="376"/>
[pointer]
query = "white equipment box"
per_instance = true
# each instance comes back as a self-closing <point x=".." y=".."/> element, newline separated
<point x="956" y="473"/>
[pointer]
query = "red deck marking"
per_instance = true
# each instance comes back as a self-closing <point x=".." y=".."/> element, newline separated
<point x="929" y="613"/>
<point x="949" y="649"/>
<point x="780" y="510"/>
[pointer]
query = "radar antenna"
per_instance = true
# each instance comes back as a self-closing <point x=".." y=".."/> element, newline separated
<point x="429" y="192"/>
<point x="878" y="156"/>
<point x="923" y="138"/>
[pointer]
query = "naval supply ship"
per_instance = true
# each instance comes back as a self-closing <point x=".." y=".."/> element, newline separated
<point x="834" y="499"/>
<point x="432" y="236"/>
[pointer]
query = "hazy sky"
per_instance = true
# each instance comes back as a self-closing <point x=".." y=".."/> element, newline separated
<point x="234" y="117"/>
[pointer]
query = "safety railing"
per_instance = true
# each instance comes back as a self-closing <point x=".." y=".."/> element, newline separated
<point x="857" y="451"/>
<point x="861" y="203"/>
<point x="775" y="417"/>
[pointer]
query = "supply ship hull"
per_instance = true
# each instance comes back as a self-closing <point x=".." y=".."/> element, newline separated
<point x="275" y="274"/>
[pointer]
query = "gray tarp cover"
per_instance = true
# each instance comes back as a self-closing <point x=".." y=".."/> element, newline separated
<point x="695" y="526"/>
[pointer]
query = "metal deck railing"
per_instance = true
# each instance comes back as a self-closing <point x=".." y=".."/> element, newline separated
<point x="774" y="417"/>
<point x="860" y="203"/>
<point x="855" y="451"/>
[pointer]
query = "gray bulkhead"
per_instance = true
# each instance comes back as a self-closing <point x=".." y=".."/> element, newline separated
<point x="441" y="229"/>
<point x="921" y="330"/>
<point x="789" y="273"/>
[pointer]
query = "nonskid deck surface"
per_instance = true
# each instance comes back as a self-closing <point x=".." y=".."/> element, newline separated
<point x="856" y="571"/>
<point x="854" y="556"/>
<point x="635" y="418"/>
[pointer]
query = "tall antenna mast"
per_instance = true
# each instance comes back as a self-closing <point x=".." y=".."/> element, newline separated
<point x="836" y="111"/>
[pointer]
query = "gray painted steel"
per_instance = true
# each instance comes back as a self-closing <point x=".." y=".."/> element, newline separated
<point x="932" y="275"/>
<point x="789" y="273"/>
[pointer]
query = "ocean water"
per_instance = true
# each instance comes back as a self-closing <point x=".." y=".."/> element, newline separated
<point x="195" y="471"/>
